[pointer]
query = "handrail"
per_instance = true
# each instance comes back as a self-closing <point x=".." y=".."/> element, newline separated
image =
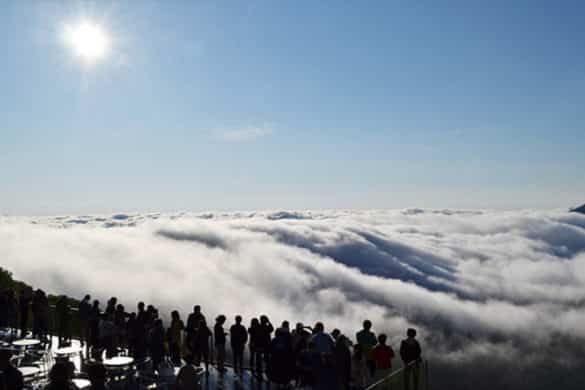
<point x="389" y="376"/>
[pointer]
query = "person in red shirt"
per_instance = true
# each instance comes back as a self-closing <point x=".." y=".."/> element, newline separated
<point x="383" y="355"/>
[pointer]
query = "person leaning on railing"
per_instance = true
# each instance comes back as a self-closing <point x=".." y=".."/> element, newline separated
<point x="410" y="353"/>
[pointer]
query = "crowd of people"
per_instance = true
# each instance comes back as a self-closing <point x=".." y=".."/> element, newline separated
<point x="309" y="357"/>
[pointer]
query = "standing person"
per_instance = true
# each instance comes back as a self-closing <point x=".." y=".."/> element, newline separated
<point x="44" y="316"/>
<point x="359" y="369"/>
<point x="342" y="356"/>
<point x="367" y="340"/>
<point x="120" y="327"/>
<point x="410" y="353"/>
<point x="323" y="342"/>
<point x="11" y="312"/>
<point x="24" y="301"/>
<point x="111" y="306"/>
<point x="281" y="368"/>
<point x="157" y="343"/>
<point x="140" y="333"/>
<point x="93" y="321"/>
<point x="219" y="341"/>
<point x="263" y="344"/>
<point x="300" y="340"/>
<point x="201" y="344"/>
<point x="383" y="355"/>
<point x="175" y="334"/>
<point x="238" y="339"/>
<point x="63" y="314"/>
<point x="254" y="333"/>
<point x="107" y="332"/>
<point x="83" y="309"/>
<point x="194" y="319"/>
<point x="36" y="312"/>
<point x="151" y="316"/>
<point x="298" y="335"/>
<point x="3" y="309"/>
<point x="130" y="337"/>
<point x="305" y="363"/>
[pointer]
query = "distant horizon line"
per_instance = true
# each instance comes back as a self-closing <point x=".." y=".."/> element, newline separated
<point x="128" y="212"/>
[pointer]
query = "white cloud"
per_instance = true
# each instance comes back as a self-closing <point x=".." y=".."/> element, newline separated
<point x="477" y="285"/>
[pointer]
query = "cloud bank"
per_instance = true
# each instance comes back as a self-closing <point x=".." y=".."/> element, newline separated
<point x="498" y="297"/>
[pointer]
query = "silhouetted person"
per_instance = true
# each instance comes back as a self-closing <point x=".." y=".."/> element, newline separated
<point x="10" y="377"/>
<point x="60" y="377"/>
<point x="305" y="364"/>
<point x="383" y="355"/>
<point x="24" y="301"/>
<point x="175" y="334"/>
<point x="263" y="344"/>
<point x="238" y="339"/>
<point x="63" y="315"/>
<point x="40" y="311"/>
<point x="201" y="344"/>
<point x="194" y="319"/>
<point x="120" y="324"/>
<point x="367" y="339"/>
<point x="156" y="344"/>
<point x="97" y="375"/>
<point x="410" y="353"/>
<point x="335" y="333"/>
<point x="111" y="306"/>
<point x="93" y="320"/>
<point x="107" y="332"/>
<point x="323" y="342"/>
<point x="140" y="332"/>
<point x="3" y="309"/>
<point x="219" y="341"/>
<point x="281" y="367"/>
<point x="254" y="333"/>
<point x="83" y="311"/>
<point x="342" y="356"/>
<point x="359" y="368"/>
<point x="130" y="336"/>
<point x="151" y="316"/>
<point x="323" y="364"/>
<point x="300" y="341"/>
<point x="298" y="335"/>
<point x="11" y="311"/>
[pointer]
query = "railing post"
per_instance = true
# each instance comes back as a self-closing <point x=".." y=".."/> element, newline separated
<point x="426" y="373"/>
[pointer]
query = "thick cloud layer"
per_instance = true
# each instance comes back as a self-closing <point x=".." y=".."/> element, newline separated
<point x="487" y="290"/>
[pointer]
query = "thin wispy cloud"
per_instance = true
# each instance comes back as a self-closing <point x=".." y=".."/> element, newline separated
<point x="245" y="133"/>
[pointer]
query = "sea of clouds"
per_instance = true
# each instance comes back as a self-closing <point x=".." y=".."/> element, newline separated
<point x="498" y="297"/>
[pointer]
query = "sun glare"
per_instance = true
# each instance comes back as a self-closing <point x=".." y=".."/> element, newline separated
<point x="88" y="41"/>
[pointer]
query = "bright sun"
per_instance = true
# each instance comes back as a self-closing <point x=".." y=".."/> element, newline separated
<point x="88" y="41"/>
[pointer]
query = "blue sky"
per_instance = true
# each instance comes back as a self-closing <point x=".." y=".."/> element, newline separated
<point x="264" y="104"/>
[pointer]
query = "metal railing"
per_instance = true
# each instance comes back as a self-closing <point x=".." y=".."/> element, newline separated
<point x="397" y="378"/>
